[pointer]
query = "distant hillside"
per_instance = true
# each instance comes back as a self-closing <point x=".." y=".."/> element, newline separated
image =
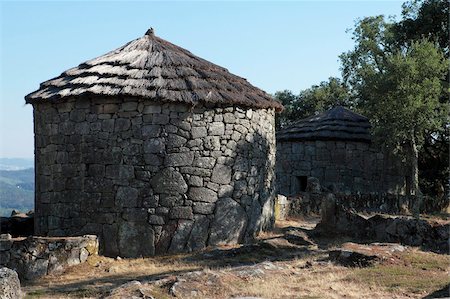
<point x="16" y="163"/>
<point x="16" y="190"/>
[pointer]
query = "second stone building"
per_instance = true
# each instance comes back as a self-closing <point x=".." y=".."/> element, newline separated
<point x="154" y="150"/>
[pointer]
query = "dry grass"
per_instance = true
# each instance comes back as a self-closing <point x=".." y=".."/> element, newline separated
<point x="420" y="273"/>
<point x="408" y="274"/>
<point x="100" y="274"/>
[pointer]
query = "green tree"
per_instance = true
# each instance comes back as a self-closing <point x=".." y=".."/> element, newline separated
<point x="424" y="19"/>
<point x="397" y="87"/>
<point x="430" y="19"/>
<point x="313" y="100"/>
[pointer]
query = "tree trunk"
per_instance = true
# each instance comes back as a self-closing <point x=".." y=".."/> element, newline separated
<point x="412" y="184"/>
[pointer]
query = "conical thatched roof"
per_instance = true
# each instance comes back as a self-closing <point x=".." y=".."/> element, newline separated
<point x="338" y="123"/>
<point x="152" y="68"/>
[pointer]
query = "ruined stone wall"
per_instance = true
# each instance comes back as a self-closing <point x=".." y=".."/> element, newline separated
<point x="34" y="257"/>
<point x="149" y="178"/>
<point x="347" y="167"/>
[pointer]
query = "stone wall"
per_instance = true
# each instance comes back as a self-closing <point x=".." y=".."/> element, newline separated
<point x="306" y="203"/>
<point x="348" y="167"/>
<point x="429" y="234"/>
<point x="34" y="257"/>
<point x="149" y="178"/>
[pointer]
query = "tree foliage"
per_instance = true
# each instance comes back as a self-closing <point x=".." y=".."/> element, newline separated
<point x="398" y="86"/>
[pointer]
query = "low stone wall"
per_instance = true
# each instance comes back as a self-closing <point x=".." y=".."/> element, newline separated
<point x="306" y="203"/>
<point x="406" y="230"/>
<point x="34" y="257"/>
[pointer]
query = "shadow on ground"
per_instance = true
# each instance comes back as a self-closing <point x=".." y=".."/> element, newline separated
<point x="442" y="293"/>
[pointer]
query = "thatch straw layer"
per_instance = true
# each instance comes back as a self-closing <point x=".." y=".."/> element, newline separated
<point x="338" y="123"/>
<point x="152" y="68"/>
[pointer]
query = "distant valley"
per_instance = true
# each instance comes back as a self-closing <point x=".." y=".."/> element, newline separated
<point x="16" y="185"/>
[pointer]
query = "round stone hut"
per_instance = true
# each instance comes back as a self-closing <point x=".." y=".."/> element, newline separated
<point x="154" y="150"/>
<point x="335" y="147"/>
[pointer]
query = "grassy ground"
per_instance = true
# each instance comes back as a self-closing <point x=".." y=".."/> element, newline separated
<point x="408" y="274"/>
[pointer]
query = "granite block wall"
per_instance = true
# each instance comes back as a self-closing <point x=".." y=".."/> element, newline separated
<point x="150" y="178"/>
<point x="34" y="257"/>
<point x="340" y="166"/>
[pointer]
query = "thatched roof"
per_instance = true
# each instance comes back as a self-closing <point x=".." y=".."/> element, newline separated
<point x="338" y="123"/>
<point x="152" y="68"/>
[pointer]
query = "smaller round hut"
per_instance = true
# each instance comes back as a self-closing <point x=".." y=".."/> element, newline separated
<point x="335" y="147"/>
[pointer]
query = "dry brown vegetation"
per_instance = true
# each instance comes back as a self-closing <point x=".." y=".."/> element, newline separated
<point x="408" y="274"/>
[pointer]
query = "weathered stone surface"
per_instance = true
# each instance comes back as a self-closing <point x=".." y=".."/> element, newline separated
<point x="221" y="174"/>
<point x="181" y="236"/>
<point x="199" y="234"/>
<point x="204" y="162"/>
<point x="120" y="172"/>
<point x="9" y="284"/>
<point x="136" y="239"/>
<point x="156" y="220"/>
<point x="204" y="208"/>
<point x="127" y="197"/>
<point x="170" y="200"/>
<point x="202" y="194"/>
<point x="154" y="146"/>
<point x="216" y="128"/>
<point x="151" y="131"/>
<point x="228" y="226"/>
<point x="181" y="213"/>
<point x="199" y="132"/>
<point x="169" y="181"/>
<point x="179" y="159"/>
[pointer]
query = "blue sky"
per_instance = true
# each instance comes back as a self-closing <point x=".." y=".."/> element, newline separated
<point x="275" y="45"/>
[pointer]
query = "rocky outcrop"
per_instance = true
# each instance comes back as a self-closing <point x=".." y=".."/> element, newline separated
<point x="34" y="257"/>
<point x="407" y="230"/>
<point x="9" y="284"/>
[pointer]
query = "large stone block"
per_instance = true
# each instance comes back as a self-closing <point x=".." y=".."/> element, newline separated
<point x="181" y="236"/>
<point x="198" y="132"/>
<point x="136" y="239"/>
<point x="199" y="234"/>
<point x="202" y="194"/>
<point x="181" y="213"/>
<point x="204" y="162"/>
<point x="126" y="197"/>
<point x="179" y="159"/>
<point x="221" y="174"/>
<point x="169" y="181"/>
<point x="229" y="223"/>
<point x="216" y="128"/>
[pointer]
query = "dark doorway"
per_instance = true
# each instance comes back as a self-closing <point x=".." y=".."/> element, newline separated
<point x="302" y="182"/>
